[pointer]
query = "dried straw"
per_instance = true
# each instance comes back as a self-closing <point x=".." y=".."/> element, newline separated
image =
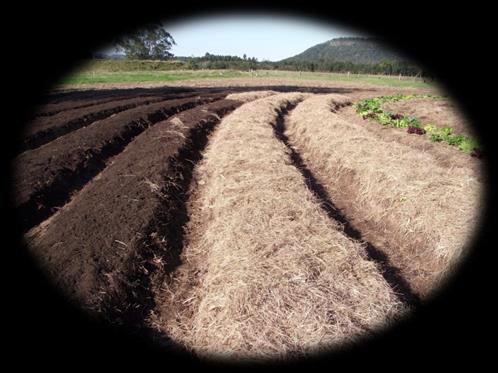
<point x="402" y="200"/>
<point x="266" y="273"/>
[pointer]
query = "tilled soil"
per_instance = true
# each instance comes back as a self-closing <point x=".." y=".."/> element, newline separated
<point x="124" y="217"/>
<point x="88" y="244"/>
<point x="66" y="103"/>
<point x="47" y="128"/>
<point x="56" y="108"/>
<point x="47" y="176"/>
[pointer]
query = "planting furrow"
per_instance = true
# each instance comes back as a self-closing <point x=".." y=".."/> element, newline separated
<point x="102" y="246"/>
<point x="47" y="176"/>
<point x="46" y="129"/>
<point x="418" y="213"/>
<point x="265" y="273"/>
<point x="52" y="108"/>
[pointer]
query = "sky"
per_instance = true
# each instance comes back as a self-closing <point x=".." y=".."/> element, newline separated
<point x="265" y="37"/>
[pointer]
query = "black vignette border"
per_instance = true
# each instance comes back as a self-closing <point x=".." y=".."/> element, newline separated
<point x="42" y="44"/>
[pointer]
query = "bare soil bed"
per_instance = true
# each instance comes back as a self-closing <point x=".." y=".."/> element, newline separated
<point x="58" y="107"/>
<point x="245" y="219"/>
<point x="121" y="210"/>
<point x="47" y="128"/>
<point x="50" y="174"/>
<point x="65" y="102"/>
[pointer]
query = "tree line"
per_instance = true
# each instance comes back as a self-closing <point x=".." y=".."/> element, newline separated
<point x="154" y="43"/>
<point x="227" y="62"/>
<point x="210" y="61"/>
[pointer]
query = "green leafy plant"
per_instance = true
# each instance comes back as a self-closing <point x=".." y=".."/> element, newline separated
<point x="468" y="145"/>
<point x="413" y="122"/>
<point x="370" y="108"/>
<point x="440" y="134"/>
<point x="384" y="119"/>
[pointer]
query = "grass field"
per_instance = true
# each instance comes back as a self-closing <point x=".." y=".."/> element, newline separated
<point x="122" y="72"/>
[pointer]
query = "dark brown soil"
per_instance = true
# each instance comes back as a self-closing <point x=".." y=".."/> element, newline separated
<point x="76" y="100"/>
<point x="95" y="248"/>
<point x="55" y="108"/>
<point x="46" y="177"/>
<point x="45" y="129"/>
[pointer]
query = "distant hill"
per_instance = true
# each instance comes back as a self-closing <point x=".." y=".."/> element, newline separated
<point x="356" y="50"/>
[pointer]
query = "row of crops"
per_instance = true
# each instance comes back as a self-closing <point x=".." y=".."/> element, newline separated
<point x="371" y="108"/>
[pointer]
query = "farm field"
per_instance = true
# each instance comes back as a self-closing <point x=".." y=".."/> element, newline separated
<point x="247" y="219"/>
<point x="101" y="73"/>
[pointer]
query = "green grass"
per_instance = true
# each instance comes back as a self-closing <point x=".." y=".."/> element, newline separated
<point x="129" y="71"/>
<point x="384" y="80"/>
<point x="90" y="77"/>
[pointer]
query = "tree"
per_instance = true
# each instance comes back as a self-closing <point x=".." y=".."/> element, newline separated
<point x="150" y="43"/>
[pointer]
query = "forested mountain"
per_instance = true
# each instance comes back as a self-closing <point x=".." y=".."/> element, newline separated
<point x="356" y="50"/>
<point x="343" y="55"/>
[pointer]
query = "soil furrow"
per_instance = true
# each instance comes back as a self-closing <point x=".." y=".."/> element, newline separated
<point x="46" y="177"/>
<point x="102" y="247"/>
<point x="390" y="273"/>
<point x="46" y="129"/>
<point x="51" y="108"/>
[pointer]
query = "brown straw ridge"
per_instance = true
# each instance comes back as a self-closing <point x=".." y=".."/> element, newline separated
<point x="266" y="273"/>
<point x="419" y="213"/>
